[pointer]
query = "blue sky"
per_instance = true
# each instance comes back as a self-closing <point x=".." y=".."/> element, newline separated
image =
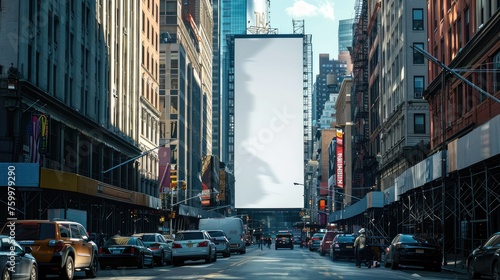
<point x="321" y="19"/>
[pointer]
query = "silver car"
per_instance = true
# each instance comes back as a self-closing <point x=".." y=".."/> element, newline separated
<point x="221" y="242"/>
<point x="161" y="248"/>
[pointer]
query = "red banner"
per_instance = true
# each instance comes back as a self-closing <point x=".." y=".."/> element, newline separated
<point x="340" y="159"/>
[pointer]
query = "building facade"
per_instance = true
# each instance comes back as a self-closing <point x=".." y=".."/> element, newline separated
<point x="441" y="194"/>
<point x="73" y="110"/>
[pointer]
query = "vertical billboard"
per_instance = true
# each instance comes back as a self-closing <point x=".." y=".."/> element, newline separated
<point x="340" y="158"/>
<point x="268" y="124"/>
<point x="164" y="169"/>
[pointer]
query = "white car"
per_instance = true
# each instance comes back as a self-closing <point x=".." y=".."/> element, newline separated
<point x="193" y="245"/>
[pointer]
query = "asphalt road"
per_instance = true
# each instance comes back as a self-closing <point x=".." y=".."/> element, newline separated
<point x="297" y="264"/>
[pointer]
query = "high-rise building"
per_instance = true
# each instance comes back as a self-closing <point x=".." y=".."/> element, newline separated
<point x="345" y="34"/>
<point x="233" y="21"/>
<point x="404" y="114"/>
<point x="82" y="109"/>
<point x="331" y="73"/>
<point x="186" y="91"/>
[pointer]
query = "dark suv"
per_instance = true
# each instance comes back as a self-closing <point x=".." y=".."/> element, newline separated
<point x="59" y="246"/>
<point x="284" y="240"/>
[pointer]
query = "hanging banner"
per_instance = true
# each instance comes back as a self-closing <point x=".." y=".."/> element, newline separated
<point x="340" y="158"/>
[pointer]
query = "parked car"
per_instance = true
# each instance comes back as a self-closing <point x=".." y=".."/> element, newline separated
<point x="326" y="242"/>
<point x="24" y="263"/>
<point x="342" y="246"/>
<point x="221" y="242"/>
<point x="283" y="240"/>
<point x="414" y="249"/>
<point x="59" y="247"/>
<point x="121" y="251"/>
<point x="485" y="259"/>
<point x="315" y="241"/>
<point x="193" y="245"/>
<point x="161" y="248"/>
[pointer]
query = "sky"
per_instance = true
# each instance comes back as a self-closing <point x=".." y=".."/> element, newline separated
<point x="321" y="20"/>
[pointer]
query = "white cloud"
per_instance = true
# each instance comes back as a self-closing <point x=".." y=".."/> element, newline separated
<point x="326" y="9"/>
<point x="311" y="8"/>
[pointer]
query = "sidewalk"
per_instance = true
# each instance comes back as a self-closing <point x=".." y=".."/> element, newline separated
<point x="458" y="266"/>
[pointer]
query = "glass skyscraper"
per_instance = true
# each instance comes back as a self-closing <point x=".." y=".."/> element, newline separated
<point x="345" y="34"/>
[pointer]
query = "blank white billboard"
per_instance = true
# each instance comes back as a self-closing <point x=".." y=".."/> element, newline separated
<point x="269" y="130"/>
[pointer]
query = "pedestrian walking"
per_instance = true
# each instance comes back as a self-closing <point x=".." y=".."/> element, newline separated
<point x="361" y="250"/>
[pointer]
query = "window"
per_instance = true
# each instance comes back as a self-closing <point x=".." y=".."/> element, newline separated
<point x="496" y="71"/>
<point x="418" y="19"/>
<point x="467" y="23"/>
<point x="418" y="86"/>
<point x="419" y="124"/>
<point x="418" y="58"/>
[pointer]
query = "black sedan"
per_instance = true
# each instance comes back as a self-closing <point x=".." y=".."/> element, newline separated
<point x="485" y="259"/>
<point x="125" y="251"/>
<point x="342" y="246"/>
<point x="415" y="250"/>
<point x="17" y="262"/>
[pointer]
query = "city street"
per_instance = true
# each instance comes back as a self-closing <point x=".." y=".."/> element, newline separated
<point x="272" y="264"/>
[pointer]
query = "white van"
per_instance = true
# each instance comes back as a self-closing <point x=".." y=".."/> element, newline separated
<point x="232" y="227"/>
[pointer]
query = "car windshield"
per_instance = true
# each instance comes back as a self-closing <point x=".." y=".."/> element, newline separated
<point x="33" y="231"/>
<point x="216" y="233"/>
<point x="188" y="236"/>
<point x="122" y="240"/>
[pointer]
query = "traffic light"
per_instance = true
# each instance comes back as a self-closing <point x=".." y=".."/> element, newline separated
<point x="322" y="204"/>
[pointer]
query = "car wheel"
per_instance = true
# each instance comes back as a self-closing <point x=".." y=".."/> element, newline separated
<point x="471" y="269"/>
<point x="152" y="262"/>
<point x="68" y="270"/>
<point x="6" y="274"/>
<point x="92" y="272"/>
<point x="215" y="257"/>
<point x="208" y="259"/>
<point x="169" y="261"/>
<point x="33" y="273"/>
<point x="394" y="265"/>
<point x="322" y="253"/>
<point x="496" y="271"/>
<point x="102" y="266"/>
<point x="162" y="259"/>
<point x="141" y="262"/>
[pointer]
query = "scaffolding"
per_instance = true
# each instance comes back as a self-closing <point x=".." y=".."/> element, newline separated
<point x="307" y="74"/>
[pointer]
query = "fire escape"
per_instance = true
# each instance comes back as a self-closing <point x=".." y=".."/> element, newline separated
<point x="361" y="133"/>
